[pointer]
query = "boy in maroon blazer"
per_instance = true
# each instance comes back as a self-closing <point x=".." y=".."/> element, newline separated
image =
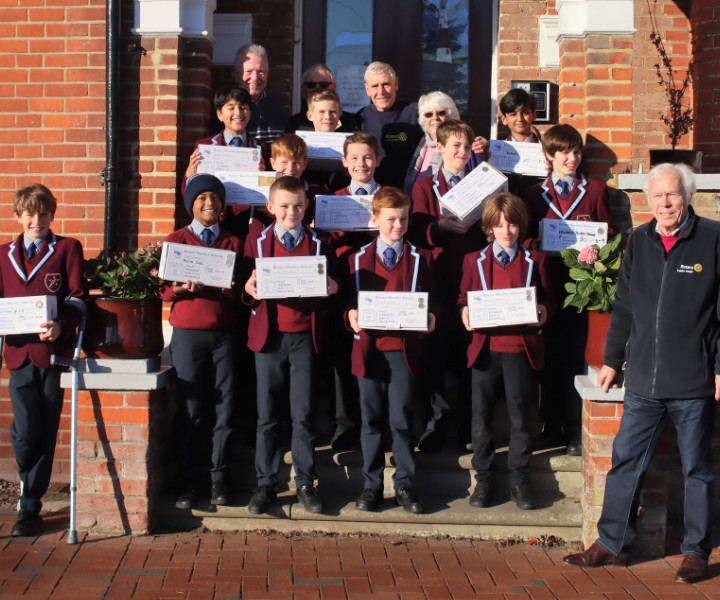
<point x="432" y="227"/>
<point x="286" y="335"/>
<point x="39" y="263"/>
<point x="388" y="364"/>
<point x="504" y="357"/>
<point x="564" y="194"/>
<point x="202" y="349"/>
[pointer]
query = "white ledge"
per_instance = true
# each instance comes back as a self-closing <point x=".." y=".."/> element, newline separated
<point x="587" y="389"/>
<point x="118" y="381"/>
<point x="578" y="18"/>
<point x="635" y="181"/>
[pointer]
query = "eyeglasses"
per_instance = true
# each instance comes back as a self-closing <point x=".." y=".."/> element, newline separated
<point x="317" y="84"/>
<point x="439" y="113"/>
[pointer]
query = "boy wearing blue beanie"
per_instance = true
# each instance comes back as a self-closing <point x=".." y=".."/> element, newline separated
<point x="202" y="350"/>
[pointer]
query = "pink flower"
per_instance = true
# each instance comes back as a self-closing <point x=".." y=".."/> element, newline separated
<point x="153" y="272"/>
<point x="588" y="255"/>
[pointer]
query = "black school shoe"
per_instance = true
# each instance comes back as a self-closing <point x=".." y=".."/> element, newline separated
<point x="261" y="497"/>
<point x="27" y="525"/>
<point x="521" y="495"/>
<point x="186" y="500"/>
<point x="370" y="500"/>
<point x="408" y="498"/>
<point x="219" y="495"/>
<point x="481" y="495"/>
<point x="308" y="495"/>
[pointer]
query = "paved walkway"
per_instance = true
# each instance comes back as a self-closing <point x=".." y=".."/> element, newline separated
<point x="214" y="566"/>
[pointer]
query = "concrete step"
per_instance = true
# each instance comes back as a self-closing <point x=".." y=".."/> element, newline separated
<point x="445" y="481"/>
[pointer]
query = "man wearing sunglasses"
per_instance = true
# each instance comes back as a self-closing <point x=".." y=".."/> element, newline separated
<point x="318" y="76"/>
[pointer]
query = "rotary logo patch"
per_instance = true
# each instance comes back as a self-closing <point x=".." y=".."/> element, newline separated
<point x="53" y="281"/>
<point x="697" y="267"/>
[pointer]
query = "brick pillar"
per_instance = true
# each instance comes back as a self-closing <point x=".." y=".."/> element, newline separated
<point x="121" y="447"/>
<point x="601" y="421"/>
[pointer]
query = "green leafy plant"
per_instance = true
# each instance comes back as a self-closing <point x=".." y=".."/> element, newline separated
<point x="594" y="274"/>
<point x="126" y="274"/>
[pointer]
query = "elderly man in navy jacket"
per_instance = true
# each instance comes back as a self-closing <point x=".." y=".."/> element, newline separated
<point x="665" y="327"/>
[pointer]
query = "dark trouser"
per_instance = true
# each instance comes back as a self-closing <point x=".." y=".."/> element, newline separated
<point x="204" y="361"/>
<point x="387" y="380"/>
<point x="560" y="404"/>
<point x="285" y="369"/>
<point x="37" y="399"/>
<point x="641" y="428"/>
<point x="492" y="374"/>
<point x="346" y="393"/>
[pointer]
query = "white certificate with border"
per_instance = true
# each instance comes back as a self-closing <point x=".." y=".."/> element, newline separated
<point x="227" y="158"/>
<point x="496" y="308"/>
<point x="247" y="187"/>
<point x="25" y="313"/>
<point x="291" y="276"/>
<point x="522" y="158"/>
<point x="343" y="213"/>
<point x="467" y="198"/>
<point x="556" y="234"/>
<point x="393" y="310"/>
<point x="324" y="144"/>
<point x="209" y="266"/>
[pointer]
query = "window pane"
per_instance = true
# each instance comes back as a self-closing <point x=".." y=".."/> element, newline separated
<point x="445" y="49"/>
<point x="349" y="48"/>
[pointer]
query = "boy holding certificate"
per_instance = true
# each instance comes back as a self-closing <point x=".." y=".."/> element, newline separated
<point x="202" y="349"/>
<point x="506" y="356"/>
<point x="286" y="336"/>
<point x="569" y="196"/>
<point x="434" y="228"/>
<point x="39" y="263"/>
<point x="388" y="363"/>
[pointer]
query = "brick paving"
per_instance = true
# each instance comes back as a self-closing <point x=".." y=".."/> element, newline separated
<point x="223" y="566"/>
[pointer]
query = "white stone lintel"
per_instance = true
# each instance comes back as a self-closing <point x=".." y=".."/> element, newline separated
<point x="187" y="18"/>
<point x="578" y="18"/>
<point x="588" y="390"/>
<point x="119" y="381"/>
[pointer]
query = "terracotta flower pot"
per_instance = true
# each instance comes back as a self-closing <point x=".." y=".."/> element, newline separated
<point x="124" y="328"/>
<point x="598" y="326"/>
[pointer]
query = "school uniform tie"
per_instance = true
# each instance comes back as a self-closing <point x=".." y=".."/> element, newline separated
<point x="564" y="187"/>
<point x="288" y="240"/>
<point x="207" y="236"/>
<point x="361" y="192"/>
<point x="504" y="257"/>
<point x="32" y="250"/>
<point x="236" y="141"/>
<point x="389" y="257"/>
<point x="454" y="180"/>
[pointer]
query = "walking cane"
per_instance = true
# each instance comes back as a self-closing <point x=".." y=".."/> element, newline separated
<point x="73" y="363"/>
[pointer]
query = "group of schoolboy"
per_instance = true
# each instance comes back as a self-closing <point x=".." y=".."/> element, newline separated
<point x="417" y="248"/>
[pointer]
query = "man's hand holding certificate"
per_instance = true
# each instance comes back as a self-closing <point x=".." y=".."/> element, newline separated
<point x="498" y="308"/>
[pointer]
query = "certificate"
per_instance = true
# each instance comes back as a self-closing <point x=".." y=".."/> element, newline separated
<point x="495" y="308"/>
<point x="25" y="313"/>
<point x="325" y="149"/>
<point x="518" y="157"/>
<point x="291" y="276"/>
<point x="393" y="310"/>
<point x="227" y="158"/>
<point x="557" y="235"/>
<point x="246" y="187"/>
<point x="209" y="266"/>
<point x="343" y="213"/>
<point x="467" y="198"/>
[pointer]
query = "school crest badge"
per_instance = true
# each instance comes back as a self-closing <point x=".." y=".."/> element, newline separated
<point x="53" y="281"/>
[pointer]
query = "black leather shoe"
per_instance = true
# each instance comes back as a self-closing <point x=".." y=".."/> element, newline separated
<point x="408" y="498"/>
<point x="27" y="525"/>
<point x="521" y="496"/>
<point x="261" y="497"/>
<point x="430" y="441"/>
<point x="594" y="556"/>
<point x="186" y="500"/>
<point x="369" y="500"/>
<point x="308" y="495"/>
<point x="692" y="569"/>
<point x="574" y="447"/>
<point x="219" y="494"/>
<point x="345" y="439"/>
<point x="481" y="494"/>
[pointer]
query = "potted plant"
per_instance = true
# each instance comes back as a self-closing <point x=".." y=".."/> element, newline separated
<point x="594" y="273"/>
<point x="678" y="118"/>
<point x="125" y="320"/>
